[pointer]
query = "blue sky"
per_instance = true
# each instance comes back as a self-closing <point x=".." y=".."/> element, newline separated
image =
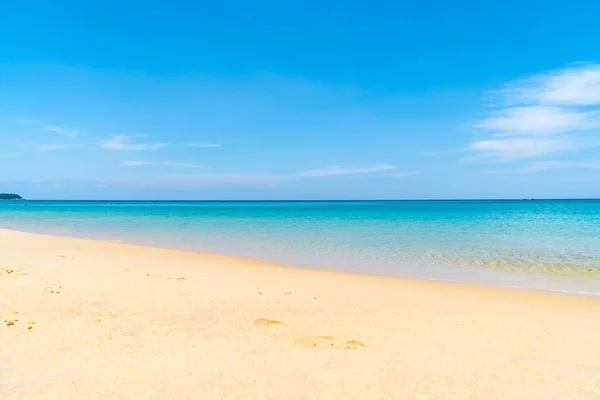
<point x="300" y="100"/>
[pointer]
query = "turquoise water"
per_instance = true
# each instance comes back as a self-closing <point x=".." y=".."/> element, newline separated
<point x="551" y="244"/>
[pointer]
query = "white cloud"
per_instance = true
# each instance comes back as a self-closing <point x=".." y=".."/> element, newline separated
<point x="544" y="114"/>
<point x="203" y="145"/>
<point x="573" y="86"/>
<point x="341" y="170"/>
<point x="539" y="121"/>
<point x="519" y="148"/>
<point x="60" y="130"/>
<point x="163" y="163"/>
<point x="125" y="143"/>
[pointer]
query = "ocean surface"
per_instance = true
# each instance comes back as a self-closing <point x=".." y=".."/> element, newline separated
<point x="543" y="244"/>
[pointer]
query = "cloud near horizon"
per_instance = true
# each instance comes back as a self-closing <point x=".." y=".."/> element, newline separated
<point x="551" y="113"/>
<point x="260" y="178"/>
<point x="334" y="170"/>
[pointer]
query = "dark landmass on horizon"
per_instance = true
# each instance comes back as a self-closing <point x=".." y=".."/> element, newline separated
<point x="10" y="196"/>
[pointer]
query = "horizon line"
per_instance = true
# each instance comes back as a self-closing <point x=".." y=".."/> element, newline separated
<point x="320" y="200"/>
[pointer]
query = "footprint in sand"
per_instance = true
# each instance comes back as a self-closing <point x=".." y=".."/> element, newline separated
<point x="169" y="277"/>
<point x="53" y="290"/>
<point x="15" y="319"/>
<point x="270" y="323"/>
<point x="106" y="316"/>
<point x="310" y="341"/>
<point x="11" y="271"/>
<point x="328" y="342"/>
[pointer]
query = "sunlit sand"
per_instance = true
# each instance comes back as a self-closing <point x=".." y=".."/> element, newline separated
<point x="86" y="319"/>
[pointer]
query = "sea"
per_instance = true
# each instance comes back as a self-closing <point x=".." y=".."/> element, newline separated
<point x="549" y="245"/>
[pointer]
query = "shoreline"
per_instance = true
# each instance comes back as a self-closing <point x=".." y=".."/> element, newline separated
<point x="469" y="276"/>
<point x="96" y="319"/>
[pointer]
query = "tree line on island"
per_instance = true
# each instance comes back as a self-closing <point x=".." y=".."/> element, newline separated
<point x="10" y="196"/>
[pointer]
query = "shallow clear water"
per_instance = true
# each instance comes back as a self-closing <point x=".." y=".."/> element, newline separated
<point x="544" y="244"/>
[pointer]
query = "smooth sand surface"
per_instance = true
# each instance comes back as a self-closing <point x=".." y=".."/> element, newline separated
<point x="87" y="319"/>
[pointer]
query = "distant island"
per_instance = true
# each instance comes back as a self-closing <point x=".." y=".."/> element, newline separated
<point x="10" y="196"/>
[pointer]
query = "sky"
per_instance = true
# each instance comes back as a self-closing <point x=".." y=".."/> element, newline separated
<point x="300" y="99"/>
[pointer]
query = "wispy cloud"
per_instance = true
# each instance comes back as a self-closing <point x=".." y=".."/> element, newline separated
<point x="539" y="121"/>
<point x="61" y="131"/>
<point x="260" y="178"/>
<point x="519" y="148"/>
<point x="203" y="145"/>
<point x="334" y="170"/>
<point x="577" y="85"/>
<point x="546" y="114"/>
<point x="127" y="143"/>
<point x="163" y="163"/>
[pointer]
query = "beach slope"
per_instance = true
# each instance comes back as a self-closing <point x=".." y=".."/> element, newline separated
<point x="85" y="319"/>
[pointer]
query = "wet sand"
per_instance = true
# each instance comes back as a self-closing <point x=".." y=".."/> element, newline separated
<point x="86" y="319"/>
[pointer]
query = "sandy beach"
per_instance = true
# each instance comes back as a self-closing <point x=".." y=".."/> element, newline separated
<point x="86" y="319"/>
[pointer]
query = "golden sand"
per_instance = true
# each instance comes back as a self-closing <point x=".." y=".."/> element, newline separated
<point x="86" y="319"/>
